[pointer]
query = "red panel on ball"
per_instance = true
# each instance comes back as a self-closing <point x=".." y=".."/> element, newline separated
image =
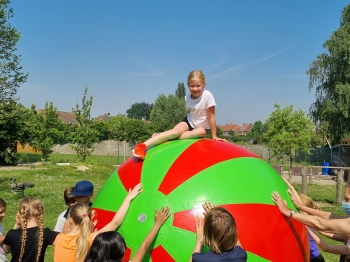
<point x="130" y="172"/>
<point x="195" y="159"/>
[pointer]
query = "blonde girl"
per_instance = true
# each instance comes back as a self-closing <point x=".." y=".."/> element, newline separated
<point x="28" y="239"/>
<point x="200" y="105"/>
<point x="74" y="244"/>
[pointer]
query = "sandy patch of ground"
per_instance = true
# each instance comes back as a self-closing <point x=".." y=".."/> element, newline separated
<point x="82" y="168"/>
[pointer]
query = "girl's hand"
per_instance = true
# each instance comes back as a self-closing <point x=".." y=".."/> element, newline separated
<point x="281" y="204"/>
<point x="199" y="230"/>
<point x="219" y="139"/>
<point x="135" y="191"/>
<point x="162" y="216"/>
<point x="207" y="206"/>
<point x="294" y="196"/>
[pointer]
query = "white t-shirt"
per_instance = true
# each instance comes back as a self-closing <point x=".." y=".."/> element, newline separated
<point x="60" y="222"/>
<point x="197" y="109"/>
<point x="3" y="257"/>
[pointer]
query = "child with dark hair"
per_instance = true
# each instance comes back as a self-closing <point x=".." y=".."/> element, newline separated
<point x="3" y="257"/>
<point x="218" y="231"/>
<point x="69" y="199"/>
<point x="110" y="246"/>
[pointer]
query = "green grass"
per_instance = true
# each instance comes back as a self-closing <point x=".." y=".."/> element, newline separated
<point x="72" y="158"/>
<point x="51" y="180"/>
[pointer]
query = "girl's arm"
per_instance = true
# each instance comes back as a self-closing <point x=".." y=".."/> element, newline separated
<point x="294" y="196"/>
<point x="120" y="214"/>
<point x="199" y="236"/>
<point x="340" y="250"/>
<point x="341" y="226"/>
<point x="336" y="237"/>
<point x="7" y="248"/>
<point x="159" y="218"/>
<point x="212" y="123"/>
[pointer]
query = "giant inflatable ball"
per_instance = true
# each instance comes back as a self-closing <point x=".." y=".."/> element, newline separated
<point x="183" y="174"/>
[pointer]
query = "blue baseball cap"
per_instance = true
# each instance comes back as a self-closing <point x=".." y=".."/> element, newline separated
<point x="83" y="188"/>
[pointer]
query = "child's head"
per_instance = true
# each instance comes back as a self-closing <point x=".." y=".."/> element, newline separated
<point x="83" y="191"/>
<point x="80" y="215"/>
<point x="2" y="209"/>
<point x="69" y="199"/>
<point x="31" y="208"/>
<point x="196" y="75"/>
<point x="307" y="201"/>
<point x="107" y="246"/>
<point x="196" y="83"/>
<point x="219" y="229"/>
<point x="347" y="192"/>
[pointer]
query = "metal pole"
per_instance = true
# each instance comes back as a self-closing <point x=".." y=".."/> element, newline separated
<point x="118" y="153"/>
<point x="124" y="149"/>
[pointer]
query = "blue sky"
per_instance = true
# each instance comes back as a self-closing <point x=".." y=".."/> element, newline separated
<point x="254" y="53"/>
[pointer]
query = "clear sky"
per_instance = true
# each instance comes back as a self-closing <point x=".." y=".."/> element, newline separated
<point x="254" y="53"/>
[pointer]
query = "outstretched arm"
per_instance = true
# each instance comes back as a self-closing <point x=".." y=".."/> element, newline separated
<point x="294" y="196"/>
<point x="199" y="236"/>
<point x="335" y="249"/>
<point x="120" y="214"/>
<point x="336" y="237"/>
<point x="159" y="218"/>
<point x="341" y="226"/>
<point x="212" y="123"/>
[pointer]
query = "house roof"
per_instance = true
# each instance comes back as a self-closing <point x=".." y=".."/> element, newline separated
<point x="66" y="117"/>
<point x="237" y="129"/>
<point x="105" y="117"/>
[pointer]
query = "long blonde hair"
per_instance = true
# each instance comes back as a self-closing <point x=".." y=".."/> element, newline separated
<point x="31" y="208"/>
<point x="81" y="216"/>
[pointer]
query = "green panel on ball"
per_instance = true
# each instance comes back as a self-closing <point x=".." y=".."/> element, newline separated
<point x="111" y="195"/>
<point x="233" y="181"/>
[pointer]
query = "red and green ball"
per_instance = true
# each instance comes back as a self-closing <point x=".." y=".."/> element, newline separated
<point x="183" y="174"/>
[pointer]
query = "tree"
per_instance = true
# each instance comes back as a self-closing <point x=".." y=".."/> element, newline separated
<point x="11" y="76"/>
<point x="180" y="92"/>
<point x="257" y="132"/>
<point x="13" y="118"/>
<point x="330" y="76"/>
<point x="130" y="130"/>
<point x="116" y="127"/>
<point x="289" y="132"/>
<point x="139" y="111"/>
<point x="168" y="111"/>
<point x="46" y="130"/>
<point x="84" y="135"/>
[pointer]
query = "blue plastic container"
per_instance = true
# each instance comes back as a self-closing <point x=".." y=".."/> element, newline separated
<point x="325" y="169"/>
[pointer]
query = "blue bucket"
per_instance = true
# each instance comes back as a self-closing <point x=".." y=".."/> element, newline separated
<point x="326" y="170"/>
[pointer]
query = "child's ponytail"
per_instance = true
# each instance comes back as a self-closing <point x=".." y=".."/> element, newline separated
<point x="81" y="214"/>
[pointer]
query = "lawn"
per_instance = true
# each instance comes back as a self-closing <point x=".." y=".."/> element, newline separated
<point x="51" y="180"/>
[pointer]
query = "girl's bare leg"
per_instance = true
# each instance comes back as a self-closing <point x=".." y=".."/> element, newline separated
<point x="197" y="132"/>
<point x="177" y="131"/>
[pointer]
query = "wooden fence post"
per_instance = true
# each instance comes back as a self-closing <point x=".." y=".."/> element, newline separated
<point x="339" y="186"/>
<point x="303" y="179"/>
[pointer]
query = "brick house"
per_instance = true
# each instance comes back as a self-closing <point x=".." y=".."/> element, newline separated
<point x="237" y="129"/>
